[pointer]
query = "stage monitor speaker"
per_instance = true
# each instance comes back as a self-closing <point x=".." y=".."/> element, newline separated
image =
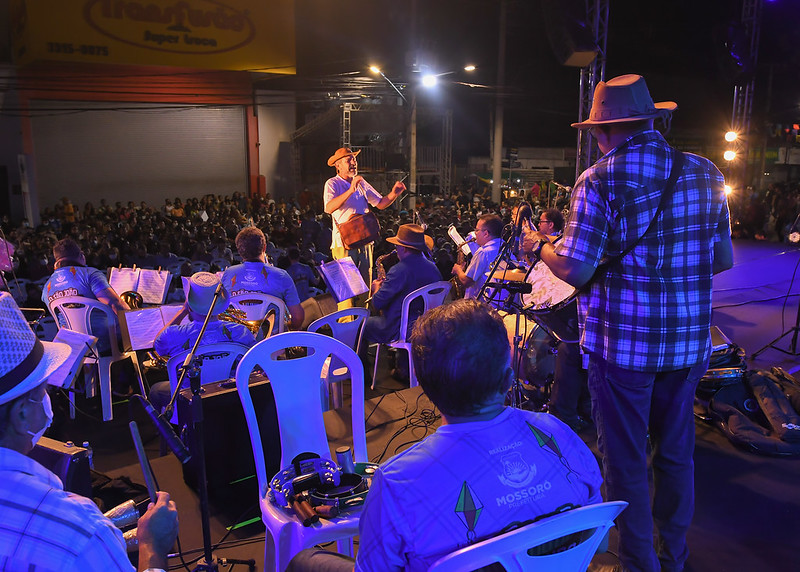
<point x="229" y="455"/>
<point x="571" y="38"/>
<point x="68" y="461"/>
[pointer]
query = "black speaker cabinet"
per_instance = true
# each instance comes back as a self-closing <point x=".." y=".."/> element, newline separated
<point x="228" y="453"/>
<point x="68" y="461"/>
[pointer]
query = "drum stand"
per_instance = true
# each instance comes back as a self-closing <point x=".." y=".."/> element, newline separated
<point x="514" y="289"/>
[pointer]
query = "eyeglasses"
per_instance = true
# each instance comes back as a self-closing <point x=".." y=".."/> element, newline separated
<point x="544" y="220"/>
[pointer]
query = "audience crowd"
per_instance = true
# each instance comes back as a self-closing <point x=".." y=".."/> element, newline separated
<point x="202" y="230"/>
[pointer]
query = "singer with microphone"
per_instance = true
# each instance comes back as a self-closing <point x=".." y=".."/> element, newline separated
<point x="348" y="194"/>
<point x="44" y="526"/>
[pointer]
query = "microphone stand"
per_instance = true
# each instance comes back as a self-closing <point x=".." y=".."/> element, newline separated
<point x="513" y="289"/>
<point x="191" y="365"/>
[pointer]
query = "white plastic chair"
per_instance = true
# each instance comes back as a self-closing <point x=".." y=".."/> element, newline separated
<point x="346" y="326"/>
<point x="221" y="263"/>
<point x="18" y="288"/>
<point x="431" y="295"/>
<point x="217" y="365"/>
<point x="46" y="328"/>
<point x="76" y="311"/>
<point x="200" y="266"/>
<point x="511" y="549"/>
<point x="295" y="385"/>
<point x="256" y="305"/>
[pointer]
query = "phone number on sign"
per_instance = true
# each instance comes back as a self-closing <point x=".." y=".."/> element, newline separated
<point x="61" y="48"/>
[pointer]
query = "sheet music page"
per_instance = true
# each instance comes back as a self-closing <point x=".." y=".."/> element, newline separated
<point x="169" y="312"/>
<point x="343" y="278"/>
<point x="123" y="279"/>
<point x="153" y="285"/>
<point x="142" y="326"/>
<point x="66" y="373"/>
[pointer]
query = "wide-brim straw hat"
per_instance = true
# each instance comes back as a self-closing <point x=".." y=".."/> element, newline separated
<point x="202" y="286"/>
<point x="412" y="236"/>
<point x="25" y="361"/>
<point x="623" y="99"/>
<point x="340" y="153"/>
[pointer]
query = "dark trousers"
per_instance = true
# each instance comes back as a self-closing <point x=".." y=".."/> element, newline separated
<point x="626" y="406"/>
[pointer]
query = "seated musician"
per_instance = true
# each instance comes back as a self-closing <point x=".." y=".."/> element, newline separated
<point x="71" y="277"/>
<point x="175" y="337"/>
<point x="569" y="396"/>
<point x="488" y="234"/>
<point x="484" y="455"/>
<point x="255" y="274"/>
<point x="413" y="271"/>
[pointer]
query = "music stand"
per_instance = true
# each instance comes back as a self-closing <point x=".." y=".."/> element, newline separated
<point x="794" y="238"/>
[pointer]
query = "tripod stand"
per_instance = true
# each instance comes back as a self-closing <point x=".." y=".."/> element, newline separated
<point x="792" y="351"/>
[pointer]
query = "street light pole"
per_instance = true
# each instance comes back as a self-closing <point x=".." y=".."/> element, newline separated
<point x="412" y="156"/>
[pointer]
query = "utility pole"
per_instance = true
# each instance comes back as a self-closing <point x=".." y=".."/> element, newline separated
<point x="497" y="147"/>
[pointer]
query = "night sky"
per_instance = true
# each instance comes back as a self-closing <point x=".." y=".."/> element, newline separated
<point x="678" y="46"/>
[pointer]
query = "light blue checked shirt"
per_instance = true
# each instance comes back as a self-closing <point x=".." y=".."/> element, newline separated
<point x="652" y="310"/>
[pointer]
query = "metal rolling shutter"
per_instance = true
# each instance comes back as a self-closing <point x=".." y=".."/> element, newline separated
<point x="135" y="152"/>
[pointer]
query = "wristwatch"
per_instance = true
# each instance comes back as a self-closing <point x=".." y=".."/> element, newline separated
<point x="537" y="247"/>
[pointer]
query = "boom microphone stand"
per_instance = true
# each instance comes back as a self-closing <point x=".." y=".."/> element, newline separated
<point x="191" y="365"/>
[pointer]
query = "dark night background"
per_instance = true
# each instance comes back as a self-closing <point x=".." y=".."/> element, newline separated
<point x="680" y="48"/>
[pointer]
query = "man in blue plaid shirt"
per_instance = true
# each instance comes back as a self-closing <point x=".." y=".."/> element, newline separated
<point x="645" y="315"/>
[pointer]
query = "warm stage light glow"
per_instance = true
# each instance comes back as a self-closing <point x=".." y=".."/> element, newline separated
<point x="729" y="155"/>
<point x="429" y="80"/>
<point x="469" y="68"/>
<point x="374" y="69"/>
<point x="728" y="190"/>
<point x="731" y="136"/>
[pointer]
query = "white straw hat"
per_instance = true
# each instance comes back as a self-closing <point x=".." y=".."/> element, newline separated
<point x="25" y="361"/>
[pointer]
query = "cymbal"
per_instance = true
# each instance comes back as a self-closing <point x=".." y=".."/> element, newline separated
<point x="514" y="275"/>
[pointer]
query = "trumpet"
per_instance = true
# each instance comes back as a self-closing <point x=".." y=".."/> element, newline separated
<point x="238" y="316"/>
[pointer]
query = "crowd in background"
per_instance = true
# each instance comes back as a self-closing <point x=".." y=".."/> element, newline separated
<point x="203" y="229"/>
<point x="769" y="214"/>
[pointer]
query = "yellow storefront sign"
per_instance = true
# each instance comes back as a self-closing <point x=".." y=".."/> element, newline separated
<point x="229" y="35"/>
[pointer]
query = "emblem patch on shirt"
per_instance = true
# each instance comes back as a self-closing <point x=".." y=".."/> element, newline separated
<point x="468" y="510"/>
<point x="516" y="470"/>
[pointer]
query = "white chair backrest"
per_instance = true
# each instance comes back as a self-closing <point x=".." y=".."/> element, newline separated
<point x="221" y="263"/>
<point x="18" y="288"/>
<point x="346" y="325"/>
<point x="431" y="295"/>
<point x="295" y="385"/>
<point x="200" y="266"/>
<point x="218" y="361"/>
<point x="76" y="313"/>
<point x="257" y="304"/>
<point x="511" y="548"/>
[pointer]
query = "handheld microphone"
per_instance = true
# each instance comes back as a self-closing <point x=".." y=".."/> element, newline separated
<point x="165" y="430"/>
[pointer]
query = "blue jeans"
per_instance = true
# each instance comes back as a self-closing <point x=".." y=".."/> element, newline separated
<point x="626" y="405"/>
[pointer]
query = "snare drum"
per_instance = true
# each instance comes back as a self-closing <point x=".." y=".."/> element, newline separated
<point x="535" y="355"/>
<point x="552" y="303"/>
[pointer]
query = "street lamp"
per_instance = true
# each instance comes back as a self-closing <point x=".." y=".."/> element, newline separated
<point x="428" y="80"/>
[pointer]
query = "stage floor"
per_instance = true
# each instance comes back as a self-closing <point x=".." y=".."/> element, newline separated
<point x="746" y="504"/>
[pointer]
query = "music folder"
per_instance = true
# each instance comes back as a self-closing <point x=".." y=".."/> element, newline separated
<point x="343" y="278"/>
<point x="140" y="327"/>
<point x="80" y="346"/>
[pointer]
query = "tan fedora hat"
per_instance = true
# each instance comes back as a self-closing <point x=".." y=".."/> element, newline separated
<point x="623" y="99"/>
<point x="412" y="236"/>
<point x="340" y="153"/>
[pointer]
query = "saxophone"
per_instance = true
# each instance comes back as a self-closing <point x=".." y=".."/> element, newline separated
<point x="380" y="273"/>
